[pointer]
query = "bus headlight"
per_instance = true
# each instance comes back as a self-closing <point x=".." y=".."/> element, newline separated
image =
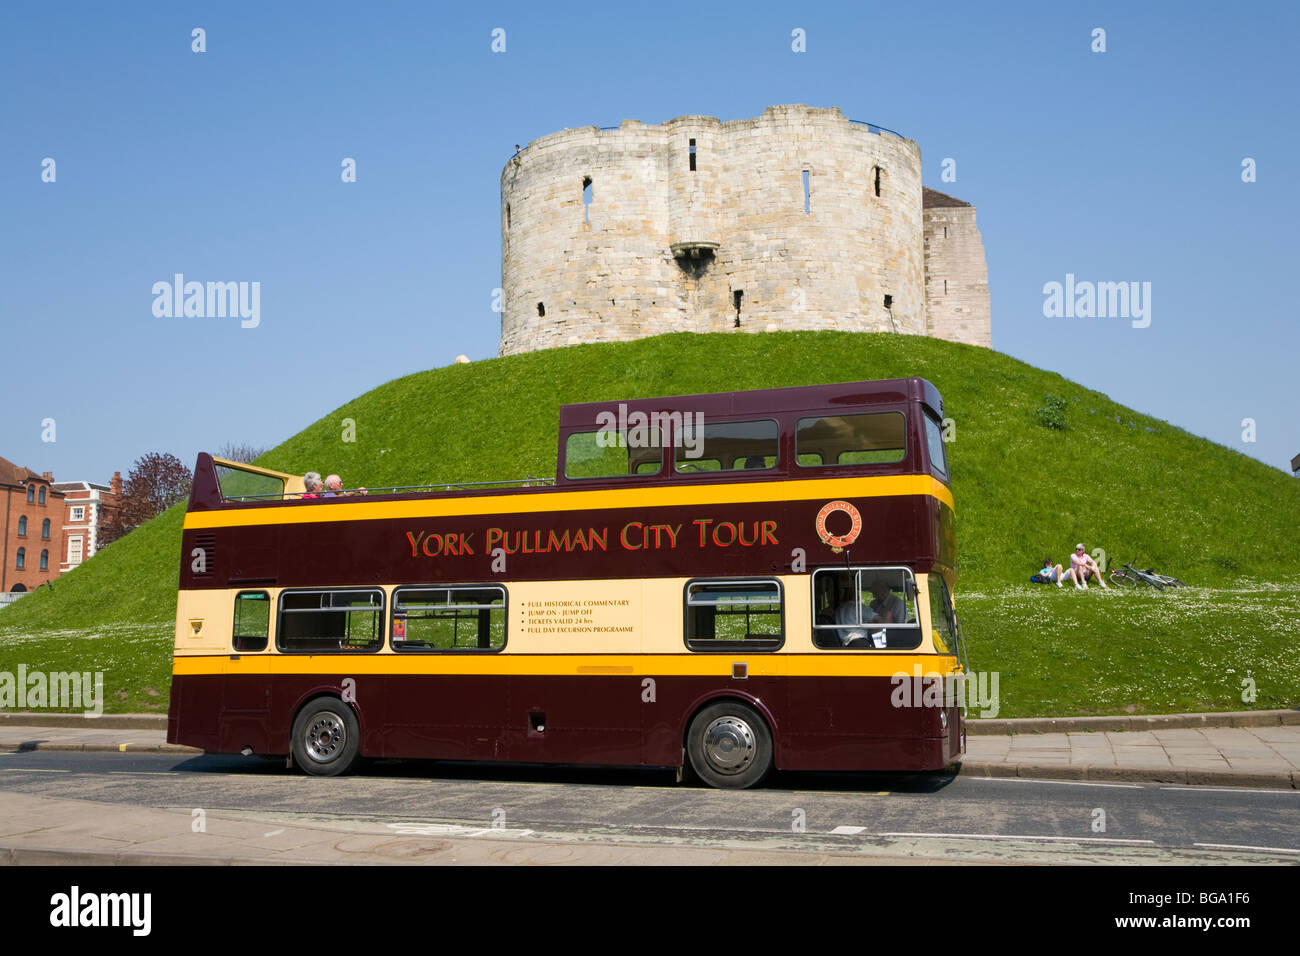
<point x="943" y="718"/>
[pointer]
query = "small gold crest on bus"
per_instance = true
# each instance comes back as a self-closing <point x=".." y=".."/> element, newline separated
<point x="197" y="624"/>
<point x="838" y="542"/>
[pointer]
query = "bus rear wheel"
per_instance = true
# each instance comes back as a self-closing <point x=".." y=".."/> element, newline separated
<point x="729" y="746"/>
<point x="326" y="738"/>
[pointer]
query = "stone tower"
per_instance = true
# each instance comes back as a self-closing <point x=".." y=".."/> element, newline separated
<point x="956" y="275"/>
<point x="797" y="219"/>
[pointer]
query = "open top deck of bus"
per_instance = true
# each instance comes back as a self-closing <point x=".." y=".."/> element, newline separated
<point x="766" y="423"/>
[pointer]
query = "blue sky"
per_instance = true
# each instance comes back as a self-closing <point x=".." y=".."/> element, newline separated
<point x="225" y="165"/>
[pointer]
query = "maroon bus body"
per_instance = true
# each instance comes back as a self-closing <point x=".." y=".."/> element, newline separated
<point x="817" y="723"/>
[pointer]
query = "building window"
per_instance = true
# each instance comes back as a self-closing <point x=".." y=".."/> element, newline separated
<point x="587" y="197"/>
<point x="45" y="560"/>
<point x="42" y="494"/>
<point x="45" y="529"/>
<point x="75" y="549"/>
<point x="724" y="615"/>
<point x="807" y="192"/>
<point x="541" y="309"/>
<point x="20" y="559"/>
<point x="31" y="493"/>
<point x="692" y="155"/>
<point x="449" y="619"/>
<point x="876" y="176"/>
<point x="77" y="513"/>
<point x="22" y="526"/>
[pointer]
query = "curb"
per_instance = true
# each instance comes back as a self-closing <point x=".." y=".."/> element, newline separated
<point x="1059" y="725"/>
<point x="974" y="727"/>
<point x="56" y="856"/>
<point x="105" y="722"/>
<point x="27" y="746"/>
<point x="1280" y="780"/>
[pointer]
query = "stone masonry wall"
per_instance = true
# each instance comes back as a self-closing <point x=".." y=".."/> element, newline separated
<point x="661" y="248"/>
<point x="957" y="277"/>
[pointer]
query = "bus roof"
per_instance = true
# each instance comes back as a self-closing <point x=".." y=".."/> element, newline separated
<point x="768" y="400"/>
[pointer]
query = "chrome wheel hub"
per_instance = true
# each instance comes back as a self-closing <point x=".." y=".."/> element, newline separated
<point x="326" y="737"/>
<point x="729" y="745"/>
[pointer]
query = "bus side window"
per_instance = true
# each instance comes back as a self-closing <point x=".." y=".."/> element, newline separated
<point x="449" y="619"/>
<point x="734" y="615"/>
<point x="872" y="438"/>
<point x="865" y="608"/>
<point x="941" y="616"/>
<point x="252" y="624"/>
<point x="331" y="620"/>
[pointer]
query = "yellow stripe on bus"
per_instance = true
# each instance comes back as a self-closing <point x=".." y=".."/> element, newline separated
<point x="831" y="664"/>
<point x="658" y="496"/>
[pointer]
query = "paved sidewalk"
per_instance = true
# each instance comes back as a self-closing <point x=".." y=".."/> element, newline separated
<point x="1219" y="752"/>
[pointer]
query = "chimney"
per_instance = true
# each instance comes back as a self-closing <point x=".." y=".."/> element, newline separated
<point x="47" y="475"/>
<point x="116" y="485"/>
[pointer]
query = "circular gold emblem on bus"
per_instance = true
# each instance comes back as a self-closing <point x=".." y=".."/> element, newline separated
<point x="839" y="541"/>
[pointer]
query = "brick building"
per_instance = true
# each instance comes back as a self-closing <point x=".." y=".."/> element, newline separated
<point x="89" y="505"/>
<point x="31" y="522"/>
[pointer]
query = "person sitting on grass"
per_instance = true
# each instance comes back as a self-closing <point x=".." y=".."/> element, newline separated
<point x="1049" y="573"/>
<point x="1082" y="567"/>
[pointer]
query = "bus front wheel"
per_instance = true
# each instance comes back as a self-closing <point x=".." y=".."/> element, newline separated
<point x="326" y="738"/>
<point x="729" y="746"/>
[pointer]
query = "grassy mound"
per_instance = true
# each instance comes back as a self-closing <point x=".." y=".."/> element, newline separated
<point x="1136" y="486"/>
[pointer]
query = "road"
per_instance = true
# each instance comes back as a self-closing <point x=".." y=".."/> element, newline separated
<point x="917" y="818"/>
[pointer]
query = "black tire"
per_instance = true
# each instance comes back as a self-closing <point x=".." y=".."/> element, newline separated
<point x="326" y="738"/>
<point x="729" y="745"/>
<point x="1123" y="579"/>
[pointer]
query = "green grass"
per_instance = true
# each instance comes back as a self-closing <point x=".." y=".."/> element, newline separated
<point x="1137" y="487"/>
<point x="1062" y="652"/>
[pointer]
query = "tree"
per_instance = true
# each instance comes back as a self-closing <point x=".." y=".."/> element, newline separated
<point x="154" y="484"/>
<point x="240" y="451"/>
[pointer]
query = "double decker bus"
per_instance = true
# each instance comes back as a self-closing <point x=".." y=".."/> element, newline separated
<point x="727" y="583"/>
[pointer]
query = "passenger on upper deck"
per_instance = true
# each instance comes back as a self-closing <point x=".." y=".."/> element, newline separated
<point x="334" y="488"/>
<point x="311" y="484"/>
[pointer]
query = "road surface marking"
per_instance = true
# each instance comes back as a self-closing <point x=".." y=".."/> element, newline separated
<point x="1229" y="790"/>
<point x="144" y="773"/>
<point x="1238" y="846"/>
<point x="1063" y="783"/>
<point x="848" y="831"/>
<point x="1005" y="836"/>
<point x="28" y="770"/>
